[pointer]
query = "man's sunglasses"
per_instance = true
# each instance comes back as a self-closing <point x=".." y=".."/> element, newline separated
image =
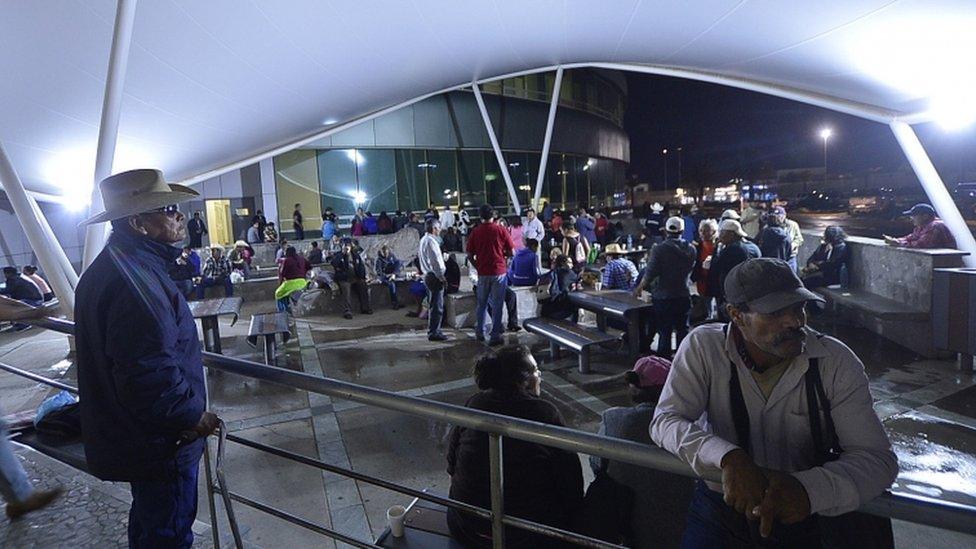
<point x="168" y="210"/>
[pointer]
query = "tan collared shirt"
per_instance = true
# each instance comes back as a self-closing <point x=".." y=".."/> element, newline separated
<point x="693" y="419"/>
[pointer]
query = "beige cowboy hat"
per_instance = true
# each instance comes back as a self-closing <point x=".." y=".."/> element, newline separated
<point x="614" y="249"/>
<point x="135" y="192"/>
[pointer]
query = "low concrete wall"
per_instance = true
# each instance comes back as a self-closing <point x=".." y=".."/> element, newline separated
<point x="459" y="308"/>
<point x="902" y="275"/>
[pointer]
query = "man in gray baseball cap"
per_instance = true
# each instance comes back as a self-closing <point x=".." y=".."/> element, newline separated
<point x="738" y="400"/>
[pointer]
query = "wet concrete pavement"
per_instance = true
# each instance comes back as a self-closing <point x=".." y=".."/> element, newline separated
<point x="927" y="405"/>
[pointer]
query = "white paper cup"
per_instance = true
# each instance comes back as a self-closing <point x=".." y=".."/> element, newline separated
<point x="598" y="286"/>
<point x="394" y="517"/>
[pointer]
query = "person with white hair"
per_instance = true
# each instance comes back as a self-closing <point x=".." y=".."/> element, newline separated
<point x="735" y="249"/>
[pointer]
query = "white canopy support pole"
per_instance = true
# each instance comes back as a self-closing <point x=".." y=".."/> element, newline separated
<point x="498" y="149"/>
<point x="36" y="237"/>
<point x="108" y="129"/>
<point x="66" y="266"/>
<point x="935" y="189"/>
<point x="553" y="105"/>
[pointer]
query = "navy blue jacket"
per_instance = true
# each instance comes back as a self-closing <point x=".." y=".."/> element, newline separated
<point x="725" y="260"/>
<point x="140" y="371"/>
<point x="775" y="242"/>
<point x="671" y="263"/>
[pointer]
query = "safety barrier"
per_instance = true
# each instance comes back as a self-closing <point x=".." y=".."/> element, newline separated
<point x="919" y="510"/>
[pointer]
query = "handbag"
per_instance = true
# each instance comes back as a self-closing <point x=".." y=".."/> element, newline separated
<point x="606" y="509"/>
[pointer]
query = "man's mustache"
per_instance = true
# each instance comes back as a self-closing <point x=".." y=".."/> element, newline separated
<point x="789" y="335"/>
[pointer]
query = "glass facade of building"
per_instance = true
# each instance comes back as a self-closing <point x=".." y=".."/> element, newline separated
<point x="411" y="179"/>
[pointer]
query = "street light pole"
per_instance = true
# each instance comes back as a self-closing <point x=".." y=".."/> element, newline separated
<point x="665" y="154"/>
<point x="825" y="134"/>
<point x="679" y="166"/>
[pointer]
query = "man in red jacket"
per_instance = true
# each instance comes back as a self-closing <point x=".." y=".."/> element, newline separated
<point x="489" y="245"/>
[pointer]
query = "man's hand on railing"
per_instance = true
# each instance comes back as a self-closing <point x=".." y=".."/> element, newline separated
<point x="208" y="424"/>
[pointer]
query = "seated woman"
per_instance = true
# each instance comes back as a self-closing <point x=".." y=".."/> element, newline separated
<point x="824" y="266"/>
<point x="291" y="275"/>
<point x="563" y="280"/>
<point x="542" y="484"/>
<point x="664" y="496"/>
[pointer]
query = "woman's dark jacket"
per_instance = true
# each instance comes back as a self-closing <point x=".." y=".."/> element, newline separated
<point x="541" y="484"/>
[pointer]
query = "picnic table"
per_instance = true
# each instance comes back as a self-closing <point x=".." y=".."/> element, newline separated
<point x="208" y="311"/>
<point x="618" y="304"/>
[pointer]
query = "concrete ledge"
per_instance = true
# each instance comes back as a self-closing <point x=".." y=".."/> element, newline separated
<point x="873" y="305"/>
<point x="460" y="307"/>
<point x="320" y="302"/>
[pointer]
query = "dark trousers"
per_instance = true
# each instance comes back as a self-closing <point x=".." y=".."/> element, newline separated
<point x="712" y="524"/>
<point x="162" y="512"/>
<point x="196" y="241"/>
<point x="671" y="316"/>
<point x="208" y="282"/>
<point x="390" y="284"/>
<point x="435" y="304"/>
<point x="357" y="285"/>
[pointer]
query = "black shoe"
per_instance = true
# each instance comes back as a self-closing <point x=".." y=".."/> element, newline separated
<point x="347" y="316"/>
<point x="496" y="342"/>
<point x="413" y="314"/>
<point x="368" y="312"/>
<point x="437" y="337"/>
<point x="514" y="328"/>
<point x="397" y="306"/>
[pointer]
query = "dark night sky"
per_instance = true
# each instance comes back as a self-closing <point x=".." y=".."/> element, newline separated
<point x="726" y="132"/>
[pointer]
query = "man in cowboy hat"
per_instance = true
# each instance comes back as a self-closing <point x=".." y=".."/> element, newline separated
<point x="140" y="371"/>
<point x="619" y="273"/>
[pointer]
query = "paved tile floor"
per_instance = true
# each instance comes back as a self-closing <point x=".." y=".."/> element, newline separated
<point x="927" y="406"/>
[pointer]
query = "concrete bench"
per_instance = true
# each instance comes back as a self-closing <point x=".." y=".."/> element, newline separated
<point x="460" y="307"/>
<point x="562" y="333"/>
<point x="268" y="326"/>
<point x="872" y="304"/>
<point x="321" y="301"/>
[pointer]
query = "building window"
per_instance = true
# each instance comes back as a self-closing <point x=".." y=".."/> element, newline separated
<point x="377" y="180"/>
<point x="443" y="177"/>
<point x="471" y="173"/>
<point x="411" y="173"/>
<point x="337" y="180"/>
<point x="495" y="188"/>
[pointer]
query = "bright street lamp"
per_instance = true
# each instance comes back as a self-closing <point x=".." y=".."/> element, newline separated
<point x="825" y="134"/>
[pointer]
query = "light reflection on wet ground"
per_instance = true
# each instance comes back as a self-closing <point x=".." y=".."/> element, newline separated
<point x="937" y="458"/>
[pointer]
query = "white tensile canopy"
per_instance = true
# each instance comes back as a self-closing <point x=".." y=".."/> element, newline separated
<point x="207" y="86"/>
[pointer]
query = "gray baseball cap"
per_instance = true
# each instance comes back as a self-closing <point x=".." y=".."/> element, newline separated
<point x="766" y="285"/>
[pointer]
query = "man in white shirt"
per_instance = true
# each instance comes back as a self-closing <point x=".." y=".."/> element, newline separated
<point x="533" y="227"/>
<point x="737" y="401"/>
<point x="432" y="264"/>
<point x="447" y="218"/>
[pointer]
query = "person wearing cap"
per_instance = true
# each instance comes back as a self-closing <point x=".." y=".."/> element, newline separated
<point x="752" y="219"/>
<point x="734" y="249"/>
<point x="142" y="392"/>
<point x="773" y="239"/>
<point x="929" y="232"/>
<point x="216" y="272"/>
<point x="670" y="264"/>
<point x="663" y="496"/>
<point x="737" y="403"/>
<point x="619" y="273"/>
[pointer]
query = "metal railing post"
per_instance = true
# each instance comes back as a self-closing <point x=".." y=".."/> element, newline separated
<point x="210" y="495"/>
<point x="496" y="474"/>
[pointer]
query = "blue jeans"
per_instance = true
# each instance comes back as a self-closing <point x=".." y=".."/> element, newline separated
<point x="712" y="524"/>
<point x="208" y="282"/>
<point x="491" y="291"/>
<point x="163" y="512"/>
<point x="435" y="299"/>
<point x="792" y="262"/>
<point x="14" y="484"/>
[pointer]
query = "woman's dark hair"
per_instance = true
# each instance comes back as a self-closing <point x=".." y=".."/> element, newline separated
<point x="561" y="261"/>
<point x="291" y="252"/>
<point x="834" y="234"/>
<point x="640" y="394"/>
<point x="516" y="221"/>
<point x="507" y="369"/>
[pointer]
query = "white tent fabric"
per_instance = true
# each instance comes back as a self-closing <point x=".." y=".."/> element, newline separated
<point x="213" y="82"/>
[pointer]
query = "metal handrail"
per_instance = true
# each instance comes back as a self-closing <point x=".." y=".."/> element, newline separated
<point x="919" y="510"/>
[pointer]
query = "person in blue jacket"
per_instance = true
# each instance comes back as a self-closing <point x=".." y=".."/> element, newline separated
<point x="525" y="267"/>
<point x="140" y="371"/>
